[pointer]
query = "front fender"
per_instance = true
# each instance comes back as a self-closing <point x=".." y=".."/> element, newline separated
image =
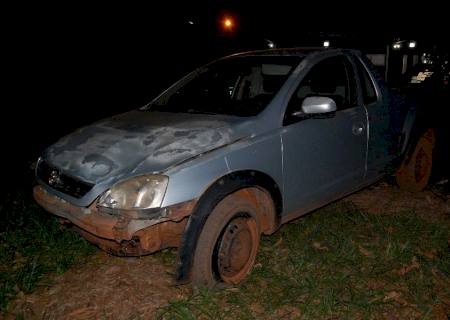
<point x="219" y="190"/>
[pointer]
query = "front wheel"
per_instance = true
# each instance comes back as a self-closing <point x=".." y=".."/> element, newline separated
<point x="415" y="171"/>
<point x="228" y="244"/>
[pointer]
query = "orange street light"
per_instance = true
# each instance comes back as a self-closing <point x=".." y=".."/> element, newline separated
<point x="228" y="23"/>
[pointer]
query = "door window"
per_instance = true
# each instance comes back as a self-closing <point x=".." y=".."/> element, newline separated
<point x="368" y="90"/>
<point x="333" y="78"/>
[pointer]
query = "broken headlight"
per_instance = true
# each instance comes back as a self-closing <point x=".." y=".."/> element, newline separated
<point x="140" y="192"/>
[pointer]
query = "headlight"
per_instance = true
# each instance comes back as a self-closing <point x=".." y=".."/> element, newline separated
<point x="141" y="192"/>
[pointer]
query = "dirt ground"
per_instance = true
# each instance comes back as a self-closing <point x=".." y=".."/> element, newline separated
<point x="108" y="287"/>
<point x="388" y="198"/>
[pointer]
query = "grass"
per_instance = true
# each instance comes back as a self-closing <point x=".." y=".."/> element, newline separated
<point x="338" y="262"/>
<point x="32" y="245"/>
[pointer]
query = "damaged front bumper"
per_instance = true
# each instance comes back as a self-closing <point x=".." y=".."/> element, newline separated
<point x="123" y="235"/>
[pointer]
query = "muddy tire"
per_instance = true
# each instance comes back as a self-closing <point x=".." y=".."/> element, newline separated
<point x="415" y="171"/>
<point x="228" y="244"/>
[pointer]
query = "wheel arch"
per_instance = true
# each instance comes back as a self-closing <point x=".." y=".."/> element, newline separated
<point x="419" y="124"/>
<point x="269" y="213"/>
<point x="417" y="131"/>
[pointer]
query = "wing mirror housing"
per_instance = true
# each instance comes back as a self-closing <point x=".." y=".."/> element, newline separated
<point x="317" y="107"/>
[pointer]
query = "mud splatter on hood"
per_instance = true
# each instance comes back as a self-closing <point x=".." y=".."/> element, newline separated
<point x="155" y="140"/>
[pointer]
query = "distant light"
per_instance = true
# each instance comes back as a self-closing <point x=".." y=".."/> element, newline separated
<point x="191" y="22"/>
<point x="326" y="44"/>
<point x="412" y="44"/>
<point x="228" y="23"/>
<point x="270" y="43"/>
<point x="397" y="46"/>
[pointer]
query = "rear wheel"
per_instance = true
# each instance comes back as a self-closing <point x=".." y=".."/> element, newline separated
<point x="228" y="244"/>
<point x="415" y="171"/>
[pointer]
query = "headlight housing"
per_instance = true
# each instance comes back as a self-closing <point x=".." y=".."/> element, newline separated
<point x="140" y="192"/>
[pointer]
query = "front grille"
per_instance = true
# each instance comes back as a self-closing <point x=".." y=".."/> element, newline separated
<point x="60" y="181"/>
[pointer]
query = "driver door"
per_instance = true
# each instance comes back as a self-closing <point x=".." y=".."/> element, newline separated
<point x="324" y="158"/>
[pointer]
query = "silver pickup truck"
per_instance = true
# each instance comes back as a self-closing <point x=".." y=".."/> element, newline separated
<point x="231" y="151"/>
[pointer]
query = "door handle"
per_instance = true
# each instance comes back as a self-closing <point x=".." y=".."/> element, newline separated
<point x="357" y="129"/>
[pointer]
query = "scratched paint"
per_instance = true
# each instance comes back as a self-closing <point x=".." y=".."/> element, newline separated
<point x="155" y="140"/>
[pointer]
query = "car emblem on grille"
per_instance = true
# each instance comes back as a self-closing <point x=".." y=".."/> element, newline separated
<point x="54" y="178"/>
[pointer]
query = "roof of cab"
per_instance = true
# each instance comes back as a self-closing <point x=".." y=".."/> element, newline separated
<point x="298" y="51"/>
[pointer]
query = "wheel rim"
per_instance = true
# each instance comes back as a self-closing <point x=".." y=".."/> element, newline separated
<point x="237" y="249"/>
<point x="421" y="165"/>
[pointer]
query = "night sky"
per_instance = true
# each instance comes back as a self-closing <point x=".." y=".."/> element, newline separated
<point x="69" y="66"/>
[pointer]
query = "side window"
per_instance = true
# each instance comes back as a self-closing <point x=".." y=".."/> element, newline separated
<point x="331" y="77"/>
<point x="368" y="90"/>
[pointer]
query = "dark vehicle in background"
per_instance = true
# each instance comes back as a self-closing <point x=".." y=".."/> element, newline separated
<point x="427" y="86"/>
<point x="232" y="151"/>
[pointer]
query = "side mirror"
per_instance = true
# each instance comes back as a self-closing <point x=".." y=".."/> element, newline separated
<point x="314" y="108"/>
<point x="318" y="105"/>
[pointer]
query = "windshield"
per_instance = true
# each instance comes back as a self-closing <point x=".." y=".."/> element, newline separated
<point x="239" y="86"/>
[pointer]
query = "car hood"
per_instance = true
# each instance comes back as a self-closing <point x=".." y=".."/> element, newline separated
<point x="148" y="141"/>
